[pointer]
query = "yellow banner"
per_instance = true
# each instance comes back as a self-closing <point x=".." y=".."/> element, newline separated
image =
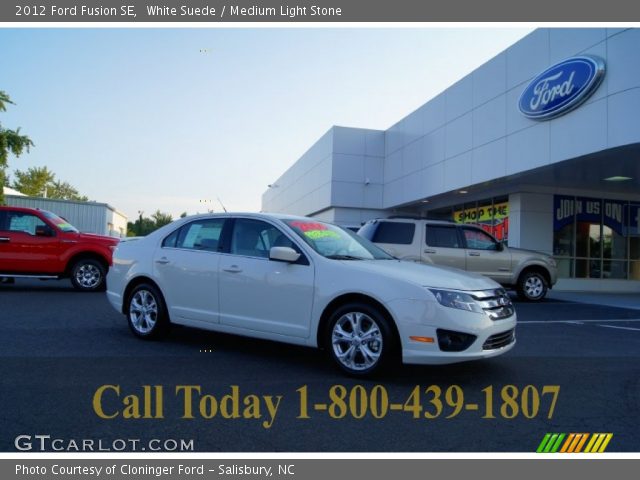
<point x="485" y="214"/>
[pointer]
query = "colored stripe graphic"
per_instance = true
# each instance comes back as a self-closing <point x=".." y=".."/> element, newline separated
<point x="574" y="443"/>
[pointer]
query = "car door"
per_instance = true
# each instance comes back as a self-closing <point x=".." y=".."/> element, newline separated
<point x="443" y="246"/>
<point x="260" y="294"/>
<point x="485" y="255"/>
<point x="186" y="266"/>
<point x="28" y="244"/>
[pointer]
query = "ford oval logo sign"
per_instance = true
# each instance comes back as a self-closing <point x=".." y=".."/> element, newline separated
<point x="562" y="87"/>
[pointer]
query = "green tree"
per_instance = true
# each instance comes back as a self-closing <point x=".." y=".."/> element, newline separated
<point x="33" y="182"/>
<point x="145" y="225"/>
<point x="11" y="141"/>
<point x="161" y="219"/>
<point x="65" y="191"/>
<point x="41" y="182"/>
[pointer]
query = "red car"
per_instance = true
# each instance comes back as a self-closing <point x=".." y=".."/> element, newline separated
<point x="39" y="244"/>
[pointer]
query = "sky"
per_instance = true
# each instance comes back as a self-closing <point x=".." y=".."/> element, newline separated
<point x="173" y="119"/>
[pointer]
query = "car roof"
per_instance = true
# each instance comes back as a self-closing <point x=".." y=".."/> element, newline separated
<point x="21" y="209"/>
<point x="409" y="219"/>
<point x="274" y="216"/>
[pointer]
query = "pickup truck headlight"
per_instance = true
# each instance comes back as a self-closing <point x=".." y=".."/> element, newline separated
<point x="459" y="300"/>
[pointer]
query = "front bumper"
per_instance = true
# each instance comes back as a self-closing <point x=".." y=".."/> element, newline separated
<point x="423" y="320"/>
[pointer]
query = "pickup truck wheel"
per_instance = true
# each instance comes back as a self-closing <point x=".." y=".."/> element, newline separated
<point x="359" y="339"/>
<point x="532" y="286"/>
<point x="88" y="275"/>
<point x="147" y="313"/>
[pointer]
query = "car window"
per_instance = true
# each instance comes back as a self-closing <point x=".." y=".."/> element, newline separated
<point x="22" y="222"/>
<point x="172" y="239"/>
<point x="59" y="222"/>
<point x="254" y="238"/>
<point x="479" y="240"/>
<point x="334" y="242"/>
<point x="197" y="235"/>
<point x="442" y="236"/>
<point x="399" y="233"/>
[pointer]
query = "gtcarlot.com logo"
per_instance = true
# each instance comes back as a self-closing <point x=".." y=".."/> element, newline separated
<point x="47" y="443"/>
<point x="574" y="443"/>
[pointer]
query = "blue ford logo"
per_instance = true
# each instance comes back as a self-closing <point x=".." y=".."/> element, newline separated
<point x="562" y="87"/>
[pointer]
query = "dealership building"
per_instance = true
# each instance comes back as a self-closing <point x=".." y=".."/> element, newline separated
<point x="540" y="146"/>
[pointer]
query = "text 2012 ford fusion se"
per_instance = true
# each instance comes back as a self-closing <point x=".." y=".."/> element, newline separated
<point x="306" y="282"/>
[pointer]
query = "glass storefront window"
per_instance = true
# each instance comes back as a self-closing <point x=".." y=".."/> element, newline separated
<point x="563" y="241"/>
<point x="596" y="238"/>
<point x="588" y="240"/>
<point x="614" y="245"/>
<point x="614" y="269"/>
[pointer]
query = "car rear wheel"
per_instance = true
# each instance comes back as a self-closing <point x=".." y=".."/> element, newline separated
<point x="359" y="339"/>
<point x="532" y="286"/>
<point x="146" y="312"/>
<point x="88" y="275"/>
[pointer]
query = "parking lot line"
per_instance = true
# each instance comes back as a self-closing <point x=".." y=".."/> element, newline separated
<point x="614" y="320"/>
<point x="620" y="328"/>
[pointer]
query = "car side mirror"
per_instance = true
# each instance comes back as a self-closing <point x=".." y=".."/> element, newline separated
<point x="44" y="231"/>
<point x="499" y="246"/>
<point x="283" y="254"/>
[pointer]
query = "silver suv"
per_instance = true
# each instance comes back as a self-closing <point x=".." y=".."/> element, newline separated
<point x="466" y="247"/>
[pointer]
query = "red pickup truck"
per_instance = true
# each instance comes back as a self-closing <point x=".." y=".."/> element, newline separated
<point x="39" y="244"/>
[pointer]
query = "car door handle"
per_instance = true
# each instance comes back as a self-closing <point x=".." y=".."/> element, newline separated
<point x="233" y="269"/>
<point x="163" y="261"/>
<point x="429" y="251"/>
<point x="5" y="239"/>
<point x="474" y="254"/>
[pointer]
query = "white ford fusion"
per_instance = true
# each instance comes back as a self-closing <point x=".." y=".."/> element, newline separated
<point x="302" y="281"/>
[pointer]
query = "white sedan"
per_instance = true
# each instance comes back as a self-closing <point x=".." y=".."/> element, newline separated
<point x="306" y="282"/>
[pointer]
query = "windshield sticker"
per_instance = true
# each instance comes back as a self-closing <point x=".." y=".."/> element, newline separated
<point x="317" y="234"/>
<point x="308" y="226"/>
<point x="64" y="225"/>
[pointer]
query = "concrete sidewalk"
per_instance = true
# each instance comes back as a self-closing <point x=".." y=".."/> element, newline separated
<point x="610" y="299"/>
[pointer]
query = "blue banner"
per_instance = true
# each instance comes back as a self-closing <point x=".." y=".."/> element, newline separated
<point x="592" y="210"/>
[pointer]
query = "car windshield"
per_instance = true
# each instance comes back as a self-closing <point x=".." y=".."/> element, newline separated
<point x="335" y="242"/>
<point x="59" y="222"/>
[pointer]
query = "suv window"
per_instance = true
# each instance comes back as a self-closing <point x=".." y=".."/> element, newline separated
<point x="198" y="235"/>
<point x="478" y="239"/>
<point x="22" y="222"/>
<point x="399" y="233"/>
<point x="254" y="238"/>
<point x="442" y="236"/>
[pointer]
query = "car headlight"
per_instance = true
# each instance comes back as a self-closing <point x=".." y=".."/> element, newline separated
<point x="459" y="300"/>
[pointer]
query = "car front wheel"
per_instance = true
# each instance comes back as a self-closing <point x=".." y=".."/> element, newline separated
<point x="532" y="286"/>
<point x="88" y="275"/>
<point x="360" y="339"/>
<point x="146" y="312"/>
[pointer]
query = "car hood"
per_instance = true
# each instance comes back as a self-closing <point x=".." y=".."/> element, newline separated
<point x="523" y="252"/>
<point x="92" y="237"/>
<point x="425" y="275"/>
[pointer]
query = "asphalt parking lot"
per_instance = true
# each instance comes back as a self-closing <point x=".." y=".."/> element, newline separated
<point x="59" y="346"/>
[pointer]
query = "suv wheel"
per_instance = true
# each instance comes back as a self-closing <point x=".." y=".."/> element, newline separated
<point x="532" y="286"/>
<point x="146" y="312"/>
<point x="359" y="339"/>
<point x="88" y="275"/>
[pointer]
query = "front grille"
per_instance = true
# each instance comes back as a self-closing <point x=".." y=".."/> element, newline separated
<point x="496" y="303"/>
<point x="500" y="340"/>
